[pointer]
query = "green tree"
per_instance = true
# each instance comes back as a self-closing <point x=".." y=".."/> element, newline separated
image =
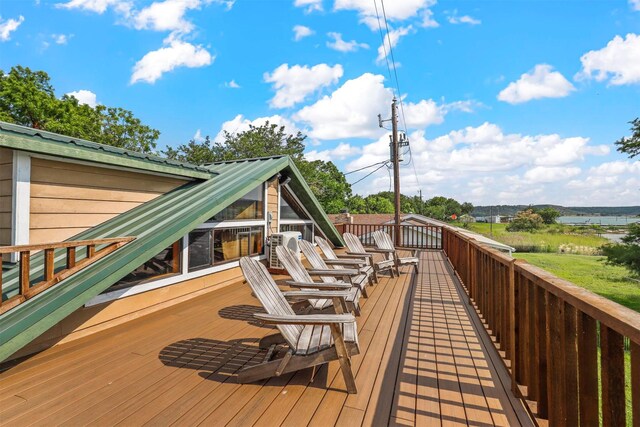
<point x="27" y="98"/>
<point x="525" y="220"/>
<point x="626" y="254"/>
<point x="631" y="145"/>
<point x="378" y="204"/>
<point x="549" y="215"/>
<point x="356" y="204"/>
<point x="466" y="208"/>
<point x="325" y="180"/>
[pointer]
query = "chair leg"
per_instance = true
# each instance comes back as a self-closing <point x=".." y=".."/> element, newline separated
<point x="375" y="276"/>
<point x="343" y="358"/>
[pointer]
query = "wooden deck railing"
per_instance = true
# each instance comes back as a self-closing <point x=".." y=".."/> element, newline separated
<point x="411" y="236"/>
<point x="50" y="276"/>
<point x="565" y="346"/>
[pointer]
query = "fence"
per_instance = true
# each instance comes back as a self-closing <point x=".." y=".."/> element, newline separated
<point x="564" y="346"/>
<point x="411" y="236"/>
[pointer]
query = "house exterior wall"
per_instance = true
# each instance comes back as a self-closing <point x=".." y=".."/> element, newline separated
<point x="273" y="203"/>
<point x="68" y="198"/>
<point x="6" y="173"/>
<point x="89" y="320"/>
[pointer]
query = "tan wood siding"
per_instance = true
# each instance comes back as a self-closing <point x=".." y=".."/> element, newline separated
<point x="68" y="198"/>
<point x="272" y="203"/>
<point x="6" y="173"/>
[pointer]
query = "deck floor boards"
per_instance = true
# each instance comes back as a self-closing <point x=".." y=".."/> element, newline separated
<point x="424" y="361"/>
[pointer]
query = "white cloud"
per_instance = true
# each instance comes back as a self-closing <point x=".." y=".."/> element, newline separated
<point x="464" y="19"/>
<point x="539" y="83"/>
<point x="540" y="174"/>
<point x="98" y="6"/>
<point x="427" y="19"/>
<point x="232" y="85"/>
<point x="635" y="4"/>
<point x="344" y="46"/>
<point x="85" y="97"/>
<point x="310" y="5"/>
<point x="300" y="32"/>
<point x="483" y="164"/>
<point x="340" y="152"/>
<point x="392" y="39"/>
<point x="8" y="26"/>
<point x="616" y="168"/>
<point x="619" y="61"/>
<point x="240" y="124"/>
<point x="61" y="38"/>
<point x="395" y="10"/>
<point x="167" y="15"/>
<point x="350" y="111"/>
<point x="198" y="136"/>
<point x="176" y="53"/>
<point x="293" y="84"/>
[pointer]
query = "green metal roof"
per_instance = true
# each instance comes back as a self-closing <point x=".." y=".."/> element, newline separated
<point x="155" y="224"/>
<point x="42" y="142"/>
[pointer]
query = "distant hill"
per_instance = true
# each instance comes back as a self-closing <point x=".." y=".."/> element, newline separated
<point x="565" y="211"/>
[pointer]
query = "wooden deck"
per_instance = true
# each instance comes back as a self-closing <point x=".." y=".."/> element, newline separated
<point x="424" y="361"/>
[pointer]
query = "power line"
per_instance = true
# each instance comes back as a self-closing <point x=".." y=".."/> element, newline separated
<point x="370" y="173"/>
<point x="395" y="71"/>
<point x="384" y="47"/>
<point x="366" y="167"/>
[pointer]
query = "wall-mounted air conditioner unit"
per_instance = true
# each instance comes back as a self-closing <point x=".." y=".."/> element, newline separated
<point x="288" y="239"/>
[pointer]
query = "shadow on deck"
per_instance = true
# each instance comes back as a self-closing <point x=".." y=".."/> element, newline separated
<point x="424" y="361"/>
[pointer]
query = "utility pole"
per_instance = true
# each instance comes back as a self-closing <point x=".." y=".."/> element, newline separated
<point x="396" y="167"/>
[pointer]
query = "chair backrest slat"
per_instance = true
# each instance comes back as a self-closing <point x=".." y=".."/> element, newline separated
<point x="326" y="249"/>
<point x="315" y="260"/>
<point x="293" y="265"/>
<point x="383" y="240"/>
<point x="270" y="296"/>
<point x="353" y="243"/>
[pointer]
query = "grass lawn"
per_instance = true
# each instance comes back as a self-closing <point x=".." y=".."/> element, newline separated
<point x="547" y="241"/>
<point x="591" y="273"/>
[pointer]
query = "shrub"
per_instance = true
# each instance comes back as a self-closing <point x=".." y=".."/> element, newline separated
<point x="525" y="220"/>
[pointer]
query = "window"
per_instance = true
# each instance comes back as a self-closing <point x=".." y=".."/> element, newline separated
<point x="218" y="246"/>
<point x="289" y="207"/>
<point x="248" y="207"/>
<point x="165" y="263"/>
<point x="293" y="217"/>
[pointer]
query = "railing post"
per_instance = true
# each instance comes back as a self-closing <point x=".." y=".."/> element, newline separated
<point x="71" y="257"/>
<point x="24" y="272"/>
<point x="48" y="264"/>
<point x="512" y="327"/>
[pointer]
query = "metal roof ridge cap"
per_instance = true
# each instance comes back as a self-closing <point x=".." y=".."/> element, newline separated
<point x="65" y="139"/>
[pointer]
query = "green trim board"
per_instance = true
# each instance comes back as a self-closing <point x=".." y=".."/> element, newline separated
<point x="42" y="142"/>
<point x="155" y="224"/>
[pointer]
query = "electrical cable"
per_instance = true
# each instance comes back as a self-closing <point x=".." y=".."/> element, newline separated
<point x="370" y="173"/>
<point x="365" y="167"/>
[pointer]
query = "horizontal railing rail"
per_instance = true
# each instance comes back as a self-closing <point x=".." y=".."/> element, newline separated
<point x="95" y="249"/>
<point x="410" y="236"/>
<point x="564" y="346"/>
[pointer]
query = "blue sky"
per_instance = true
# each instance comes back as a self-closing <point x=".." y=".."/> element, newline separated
<point x="504" y="101"/>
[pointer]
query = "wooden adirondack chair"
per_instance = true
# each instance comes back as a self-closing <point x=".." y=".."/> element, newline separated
<point x="312" y="339"/>
<point x="329" y="274"/>
<point x="356" y="248"/>
<point x="384" y="242"/>
<point x="346" y="260"/>
<point x="302" y="279"/>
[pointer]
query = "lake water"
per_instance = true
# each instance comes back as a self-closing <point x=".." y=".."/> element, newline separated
<point x="598" y="220"/>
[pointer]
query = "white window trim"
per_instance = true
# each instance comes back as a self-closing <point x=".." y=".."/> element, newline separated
<point x="161" y="283"/>
<point x="20" y="200"/>
<point x="184" y="274"/>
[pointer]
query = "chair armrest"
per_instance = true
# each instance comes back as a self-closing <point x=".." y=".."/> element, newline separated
<point x="309" y="319"/>
<point x="319" y="285"/>
<point x="381" y="251"/>
<point x="316" y="294"/>
<point x="334" y="273"/>
<point x="357" y="255"/>
<point x="353" y="262"/>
